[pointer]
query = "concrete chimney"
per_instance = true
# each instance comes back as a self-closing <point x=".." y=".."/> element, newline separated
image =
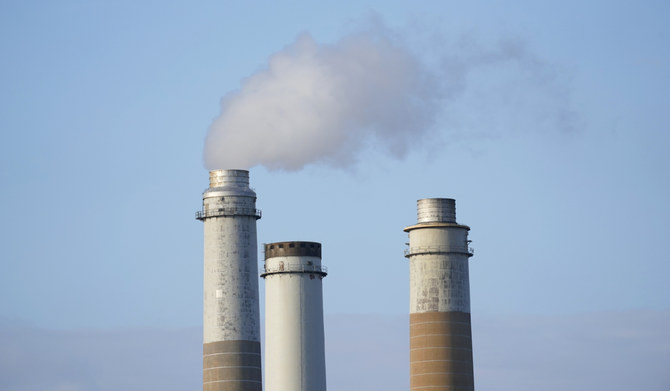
<point x="294" y="338"/>
<point x="231" y="323"/>
<point x="440" y="331"/>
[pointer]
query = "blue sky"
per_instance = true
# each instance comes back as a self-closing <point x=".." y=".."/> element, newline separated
<point x="556" y="155"/>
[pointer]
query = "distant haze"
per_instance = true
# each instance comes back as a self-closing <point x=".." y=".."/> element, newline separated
<point x="363" y="352"/>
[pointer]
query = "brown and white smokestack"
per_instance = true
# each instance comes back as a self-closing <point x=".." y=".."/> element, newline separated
<point x="440" y="328"/>
<point x="231" y="321"/>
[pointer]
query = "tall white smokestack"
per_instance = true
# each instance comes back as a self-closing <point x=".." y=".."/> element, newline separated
<point x="294" y="338"/>
<point x="440" y="332"/>
<point x="231" y="323"/>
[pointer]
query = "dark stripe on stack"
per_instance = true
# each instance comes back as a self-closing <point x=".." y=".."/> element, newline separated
<point x="232" y="366"/>
<point x="441" y="351"/>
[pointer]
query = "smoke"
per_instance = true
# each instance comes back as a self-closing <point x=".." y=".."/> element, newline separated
<point x="322" y="102"/>
<point x="326" y="102"/>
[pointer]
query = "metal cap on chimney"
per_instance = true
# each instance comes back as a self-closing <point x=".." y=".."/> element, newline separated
<point x="436" y="210"/>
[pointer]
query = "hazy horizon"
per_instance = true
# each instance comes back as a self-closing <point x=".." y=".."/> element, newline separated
<point x="363" y="352"/>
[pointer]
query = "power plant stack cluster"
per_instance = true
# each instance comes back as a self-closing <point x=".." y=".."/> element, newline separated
<point x="440" y="335"/>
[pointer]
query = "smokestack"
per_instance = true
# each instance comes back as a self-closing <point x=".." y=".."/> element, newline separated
<point x="440" y="328"/>
<point x="294" y="338"/>
<point x="231" y="323"/>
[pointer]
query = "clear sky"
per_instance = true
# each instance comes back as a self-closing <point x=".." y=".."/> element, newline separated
<point x="553" y="137"/>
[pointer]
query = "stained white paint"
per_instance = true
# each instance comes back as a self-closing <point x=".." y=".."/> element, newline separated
<point x="438" y="259"/>
<point x="230" y="300"/>
<point x="294" y="336"/>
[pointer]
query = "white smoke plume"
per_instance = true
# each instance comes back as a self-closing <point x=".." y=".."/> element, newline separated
<point x="321" y="103"/>
<point x="325" y="102"/>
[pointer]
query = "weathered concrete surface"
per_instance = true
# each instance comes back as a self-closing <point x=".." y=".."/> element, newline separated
<point x="440" y="330"/>
<point x="231" y="321"/>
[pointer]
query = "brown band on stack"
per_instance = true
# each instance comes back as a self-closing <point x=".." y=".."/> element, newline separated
<point x="232" y="366"/>
<point x="441" y="351"/>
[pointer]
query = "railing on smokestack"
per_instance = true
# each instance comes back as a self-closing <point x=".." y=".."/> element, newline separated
<point x="295" y="268"/>
<point x="203" y="214"/>
<point x="469" y="251"/>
